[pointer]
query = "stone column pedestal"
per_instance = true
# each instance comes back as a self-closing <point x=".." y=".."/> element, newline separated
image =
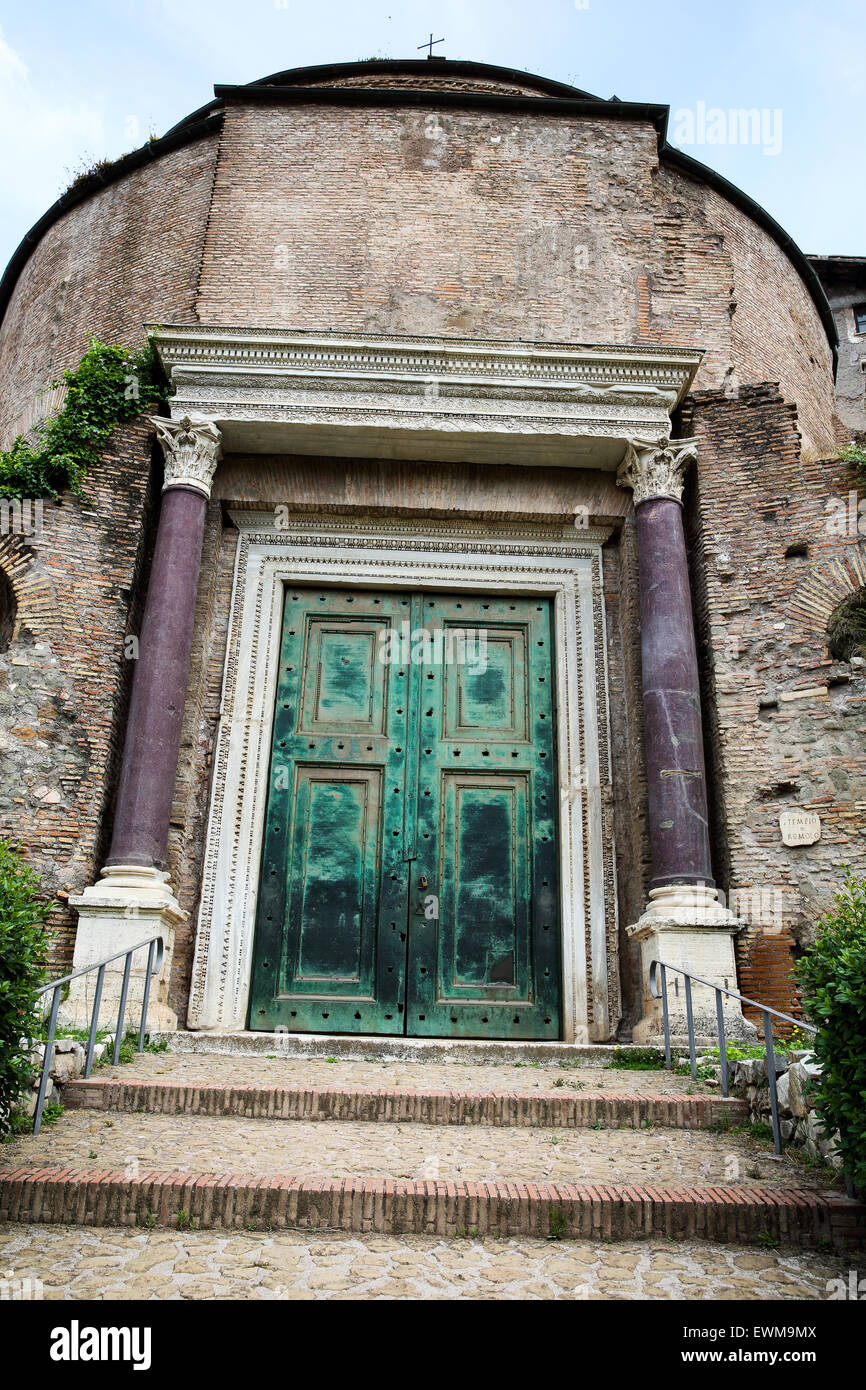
<point x="688" y="928"/>
<point x="133" y="898"/>
<point x="684" y="925"/>
<point x="127" y="905"/>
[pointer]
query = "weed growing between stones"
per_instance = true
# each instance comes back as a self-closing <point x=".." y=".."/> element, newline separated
<point x="638" y="1059"/>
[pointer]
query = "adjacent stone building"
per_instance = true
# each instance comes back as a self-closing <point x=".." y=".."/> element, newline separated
<point x="482" y="571"/>
<point x="844" y="281"/>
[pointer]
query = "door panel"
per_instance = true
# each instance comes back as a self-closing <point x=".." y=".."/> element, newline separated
<point x="409" y="875"/>
<point x="334" y="878"/>
<point x="330" y="951"/>
<point x="488" y="965"/>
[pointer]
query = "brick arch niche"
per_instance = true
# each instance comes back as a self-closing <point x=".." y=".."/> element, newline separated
<point x="8" y="611"/>
<point x="846" y="628"/>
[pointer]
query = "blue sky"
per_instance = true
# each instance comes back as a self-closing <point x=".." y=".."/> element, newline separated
<point x="80" y="81"/>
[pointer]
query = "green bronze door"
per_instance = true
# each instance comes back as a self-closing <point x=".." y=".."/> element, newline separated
<point x="409" y="879"/>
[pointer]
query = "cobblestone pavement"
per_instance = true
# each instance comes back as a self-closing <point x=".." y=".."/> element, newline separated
<point x="118" y="1264"/>
<point x="194" y="1143"/>
<point x="318" y="1071"/>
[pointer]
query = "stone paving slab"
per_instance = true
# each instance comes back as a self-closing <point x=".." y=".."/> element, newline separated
<point x="199" y="1068"/>
<point x="110" y="1264"/>
<point x="90" y="1139"/>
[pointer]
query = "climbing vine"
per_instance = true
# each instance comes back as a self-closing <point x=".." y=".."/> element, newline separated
<point x="109" y="385"/>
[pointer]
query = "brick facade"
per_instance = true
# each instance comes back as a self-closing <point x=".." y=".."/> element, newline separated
<point x="64" y="681"/>
<point x="784" y="723"/>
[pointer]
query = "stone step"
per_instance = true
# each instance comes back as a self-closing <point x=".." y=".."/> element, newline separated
<point x="378" y="1072"/>
<point x="155" y="1142"/>
<point x="397" y="1104"/>
<point x="601" y="1212"/>
<point x="472" y="1051"/>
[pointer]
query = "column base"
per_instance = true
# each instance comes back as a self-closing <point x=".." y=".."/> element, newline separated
<point x="687" y="927"/>
<point x="127" y="905"/>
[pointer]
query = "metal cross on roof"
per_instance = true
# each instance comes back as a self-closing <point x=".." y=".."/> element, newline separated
<point x="429" y="44"/>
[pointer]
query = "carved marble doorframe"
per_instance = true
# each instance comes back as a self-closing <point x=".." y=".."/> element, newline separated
<point x="286" y="391"/>
<point x="528" y="559"/>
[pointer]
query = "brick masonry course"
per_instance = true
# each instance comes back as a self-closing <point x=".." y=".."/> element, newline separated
<point x="398" y="1105"/>
<point x="382" y="1206"/>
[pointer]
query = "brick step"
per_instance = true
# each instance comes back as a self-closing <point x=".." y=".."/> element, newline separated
<point x="427" y="1207"/>
<point x="407" y="1105"/>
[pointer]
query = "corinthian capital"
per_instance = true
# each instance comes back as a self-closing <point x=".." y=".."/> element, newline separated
<point x="656" y="467"/>
<point x="192" y="451"/>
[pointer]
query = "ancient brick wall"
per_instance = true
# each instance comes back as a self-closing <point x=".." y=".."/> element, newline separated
<point x="501" y="224"/>
<point x="784" y="722"/>
<point x="127" y="256"/>
<point x="65" y="677"/>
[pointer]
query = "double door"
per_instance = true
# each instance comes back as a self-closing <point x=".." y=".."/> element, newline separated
<point x="409" y="870"/>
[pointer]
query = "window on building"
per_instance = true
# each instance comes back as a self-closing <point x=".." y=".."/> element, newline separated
<point x="8" y="611"/>
<point x="860" y="318"/>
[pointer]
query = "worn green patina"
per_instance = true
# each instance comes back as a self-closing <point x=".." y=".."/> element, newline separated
<point x="409" y="873"/>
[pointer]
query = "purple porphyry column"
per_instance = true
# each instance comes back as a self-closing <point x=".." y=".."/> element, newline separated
<point x="141" y="819"/>
<point x="676" y="777"/>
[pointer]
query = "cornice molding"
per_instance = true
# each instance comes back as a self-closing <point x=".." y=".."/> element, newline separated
<point x="272" y="389"/>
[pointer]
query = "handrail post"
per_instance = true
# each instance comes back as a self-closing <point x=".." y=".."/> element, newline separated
<point x="690" y="1023"/>
<point x="124" y="989"/>
<point x="146" y="998"/>
<point x="666" y="1018"/>
<point x="46" y="1061"/>
<point x="154" y="944"/>
<point x="771" y="1077"/>
<point x="723" y="1052"/>
<point x="94" y="1020"/>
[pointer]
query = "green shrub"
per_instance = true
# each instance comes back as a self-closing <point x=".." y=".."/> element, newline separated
<point x="22" y="957"/>
<point x="832" y="976"/>
<point x="109" y="385"/>
<point x="638" y="1059"/>
<point x="856" y="454"/>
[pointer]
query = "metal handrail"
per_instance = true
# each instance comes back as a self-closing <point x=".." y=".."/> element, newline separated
<point x="156" y="951"/>
<point x="766" y="1011"/>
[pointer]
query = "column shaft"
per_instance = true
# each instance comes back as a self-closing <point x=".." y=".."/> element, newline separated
<point x="676" y="776"/>
<point x="144" y="797"/>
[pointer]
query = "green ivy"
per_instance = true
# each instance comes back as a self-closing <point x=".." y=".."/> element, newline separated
<point x="856" y="454"/>
<point x="832" y="975"/>
<point x="109" y="385"/>
<point x="22" y="961"/>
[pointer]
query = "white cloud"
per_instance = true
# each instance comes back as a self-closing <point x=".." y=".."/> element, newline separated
<point x="42" y="139"/>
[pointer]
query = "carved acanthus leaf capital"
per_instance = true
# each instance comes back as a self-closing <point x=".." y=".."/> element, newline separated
<point x="656" y="467"/>
<point x="192" y="447"/>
